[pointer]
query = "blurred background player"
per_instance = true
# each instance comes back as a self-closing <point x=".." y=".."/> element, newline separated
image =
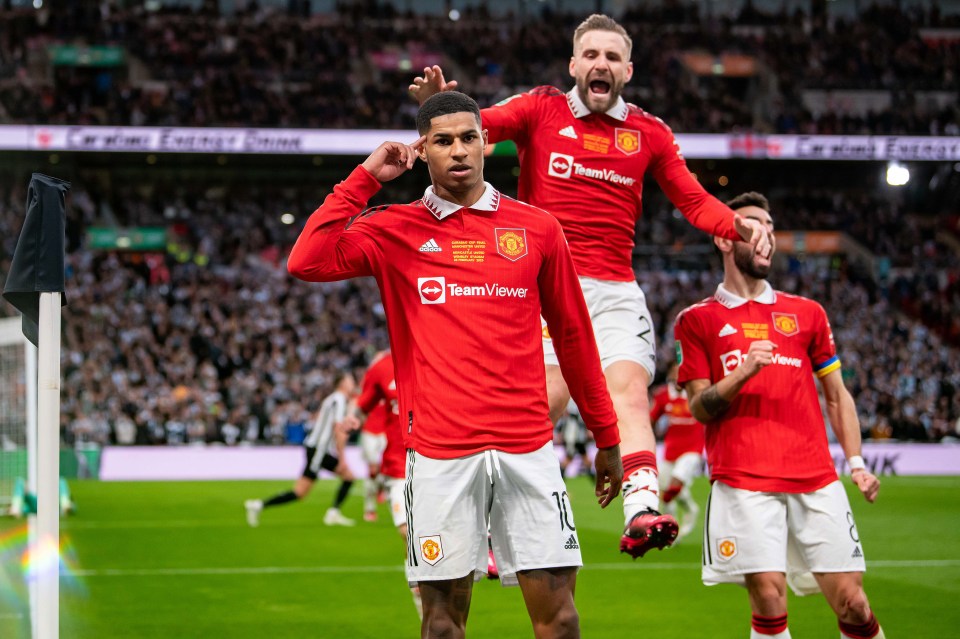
<point x="574" y="434"/>
<point x="373" y="438"/>
<point x="583" y="157"/>
<point x="479" y="450"/>
<point x="324" y="449"/>
<point x="682" y="451"/>
<point x="748" y="357"/>
<point x="379" y="396"/>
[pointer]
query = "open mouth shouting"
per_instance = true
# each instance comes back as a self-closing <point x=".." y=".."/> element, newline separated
<point x="600" y="88"/>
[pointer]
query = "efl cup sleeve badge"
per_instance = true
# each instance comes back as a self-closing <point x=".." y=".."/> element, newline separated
<point x="628" y="141"/>
<point x="727" y="548"/>
<point x="512" y="243"/>
<point x="431" y="550"/>
<point x="786" y="323"/>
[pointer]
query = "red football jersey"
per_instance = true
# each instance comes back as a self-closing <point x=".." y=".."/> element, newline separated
<point x="463" y="289"/>
<point x="587" y="169"/>
<point x="376" y="421"/>
<point x="377" y="390"/>
<point x="773" y="437"/>
<point x="379" y="399"/>
<point x="684" y="433"/>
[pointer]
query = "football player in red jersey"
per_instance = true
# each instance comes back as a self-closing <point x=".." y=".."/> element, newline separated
<point x="378" y="397"/>
<point x="777" y="511"/>
<point x="583" y="156"/>
<point x="682" y="451"/>
<point x="464" y="273"/>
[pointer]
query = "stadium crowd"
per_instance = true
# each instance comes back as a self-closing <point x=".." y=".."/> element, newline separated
<point x="212" y="341"/>
<point x="350" y="69"/>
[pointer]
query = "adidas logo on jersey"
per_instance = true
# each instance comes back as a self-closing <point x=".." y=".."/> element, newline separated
<point x="572" y="543"/>
<point x="726" y="330"/>
<point x="856" y="553"/>
<point x="430" y="246"/>
<point x="568" y="132"/>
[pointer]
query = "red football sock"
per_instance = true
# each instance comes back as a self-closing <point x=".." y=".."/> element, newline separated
<point x="769" y="625"/>
<point x="635" y="461"/>
<point x="672" y="491"/>
<point x="866" y="630"/>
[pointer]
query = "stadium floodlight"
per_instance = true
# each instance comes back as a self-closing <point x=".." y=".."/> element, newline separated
<point x="897" y="174"/>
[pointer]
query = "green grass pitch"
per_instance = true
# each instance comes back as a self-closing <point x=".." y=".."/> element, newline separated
<point x="177" y="560"/>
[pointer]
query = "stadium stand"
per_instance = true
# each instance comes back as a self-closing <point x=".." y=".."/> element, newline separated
<point x="213" y="342"/>
<point x="889" y="71"/>
<point x="246" y="351"/>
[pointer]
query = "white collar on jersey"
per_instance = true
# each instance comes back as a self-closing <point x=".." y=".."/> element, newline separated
<point x="730" y="300"/>
<point x="441" y="208"/>
<point x="618" y="111"/>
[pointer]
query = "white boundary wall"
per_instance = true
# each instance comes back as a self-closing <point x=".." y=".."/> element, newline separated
<point x="163" y="463"/>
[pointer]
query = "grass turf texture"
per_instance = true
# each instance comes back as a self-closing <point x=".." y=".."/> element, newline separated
<point x="177" y="560"/>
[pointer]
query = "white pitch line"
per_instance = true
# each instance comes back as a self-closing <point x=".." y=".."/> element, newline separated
<point x="289" y="570"/>
<point x="184" y="523"/>
<point x="11" y="615"/>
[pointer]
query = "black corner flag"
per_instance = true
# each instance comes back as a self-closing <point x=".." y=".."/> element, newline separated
<point x="38" y="260"/>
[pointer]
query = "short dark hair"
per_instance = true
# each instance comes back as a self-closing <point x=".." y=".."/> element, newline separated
<point x="750" y="198"/>
<point x="445" y="103"/>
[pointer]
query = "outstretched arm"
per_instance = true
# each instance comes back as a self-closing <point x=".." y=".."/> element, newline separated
<point x="568" y="320"/>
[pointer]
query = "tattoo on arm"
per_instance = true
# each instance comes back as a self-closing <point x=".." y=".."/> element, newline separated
<point x="711" y="402"/>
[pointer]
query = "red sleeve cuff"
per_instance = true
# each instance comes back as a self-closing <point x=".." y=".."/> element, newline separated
<point x="362" y="184"/>
<point x="607" y="437"/>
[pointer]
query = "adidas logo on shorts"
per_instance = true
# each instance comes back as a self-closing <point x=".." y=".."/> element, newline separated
<point x="572" y="543"/>
<point x="856" y="553"/>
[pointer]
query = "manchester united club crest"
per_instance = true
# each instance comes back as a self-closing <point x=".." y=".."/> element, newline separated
<point x="727" y="548"/>
<point x="628" y="141"/>
<point x="786" y="323"/>
<point x="512" y="243"/>
<point x="431" y="549"/>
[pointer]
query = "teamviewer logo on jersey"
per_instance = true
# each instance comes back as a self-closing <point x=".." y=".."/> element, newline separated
<point x="731" y="360"/>
<point x="432" y="290"/>
<point x="561" y="165"/>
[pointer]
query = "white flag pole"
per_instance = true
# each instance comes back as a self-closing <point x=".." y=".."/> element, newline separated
<point x="46" y="553"/>
<point x="32" y="476"/>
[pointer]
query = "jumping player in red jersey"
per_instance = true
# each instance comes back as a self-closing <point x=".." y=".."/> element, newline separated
<point x="583" y="156"/>
<point x="682" y="451"/>
<point x="464" y="273"/>
<point x="379" y="397"/>
<point x="777" y="511"/>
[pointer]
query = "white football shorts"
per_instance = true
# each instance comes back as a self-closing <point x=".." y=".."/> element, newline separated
<point x="686" y="468"/>
<point x="622" y="325"/>
<point x="450" y="501"/>
<point x="372" y="446"/>
<point x="793" y="533"/>
<point x="398" y="504"/>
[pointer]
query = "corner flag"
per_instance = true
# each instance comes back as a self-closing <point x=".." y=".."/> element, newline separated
<point x="35" y="286"/>
<point x="38" y="261"/>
